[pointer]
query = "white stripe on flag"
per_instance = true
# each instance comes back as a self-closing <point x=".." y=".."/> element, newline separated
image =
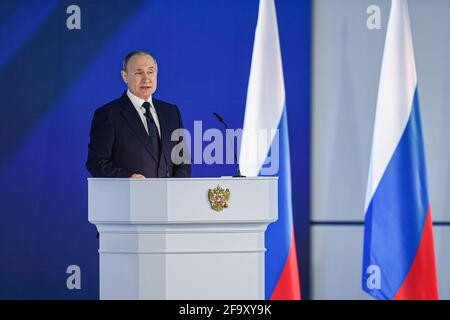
<point x="265" y="94"/>
<point x="398" y="82"/>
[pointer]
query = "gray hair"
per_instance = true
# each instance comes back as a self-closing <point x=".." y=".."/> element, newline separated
<point x="135" y="53"/>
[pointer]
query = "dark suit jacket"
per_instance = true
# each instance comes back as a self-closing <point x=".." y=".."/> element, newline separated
<point x="120" y="146"/>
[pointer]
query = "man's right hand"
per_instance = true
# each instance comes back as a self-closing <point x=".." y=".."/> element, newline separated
<point x="137" y="176"/>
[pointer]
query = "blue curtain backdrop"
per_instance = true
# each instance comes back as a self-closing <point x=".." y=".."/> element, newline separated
<point x="51" y="81"/>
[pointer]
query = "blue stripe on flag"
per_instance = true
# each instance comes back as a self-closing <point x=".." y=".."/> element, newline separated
<point x="396" y="214"/>
<point x="278" y="234"/>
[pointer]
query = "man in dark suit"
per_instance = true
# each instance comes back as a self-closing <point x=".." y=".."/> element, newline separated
<point x="131" y="136"/>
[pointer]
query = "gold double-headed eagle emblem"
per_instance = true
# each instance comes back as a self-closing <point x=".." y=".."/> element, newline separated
<point x="218" y="198"/>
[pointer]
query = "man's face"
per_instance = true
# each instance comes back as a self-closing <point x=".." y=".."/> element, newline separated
<point x="141" y="76"/>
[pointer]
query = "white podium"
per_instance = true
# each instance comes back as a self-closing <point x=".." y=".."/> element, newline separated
<point x="161" y="238"/>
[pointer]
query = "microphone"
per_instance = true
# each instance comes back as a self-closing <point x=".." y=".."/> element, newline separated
<point x="164" y="155"/>
<point x="231" y="142"/>
<point x="165" y="161"/>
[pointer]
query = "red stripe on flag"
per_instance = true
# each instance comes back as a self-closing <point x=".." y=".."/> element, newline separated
<point x="288" y="286"/>
<point x="421" y="281"/>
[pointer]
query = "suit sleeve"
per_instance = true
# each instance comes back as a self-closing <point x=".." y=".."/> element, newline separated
<point x="183" y="169"/>
<point x="99" y="162"/>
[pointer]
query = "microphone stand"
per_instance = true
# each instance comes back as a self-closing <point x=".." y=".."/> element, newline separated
<point x="239" y="175"/>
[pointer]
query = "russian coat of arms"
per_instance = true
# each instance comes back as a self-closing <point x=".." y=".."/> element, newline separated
<point x="218" y="198"/>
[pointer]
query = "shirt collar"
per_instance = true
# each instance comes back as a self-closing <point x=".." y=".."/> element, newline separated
<point x="136" y="101"/>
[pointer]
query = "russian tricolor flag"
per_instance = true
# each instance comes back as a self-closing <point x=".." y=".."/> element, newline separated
<point x="266" y="112"/>
<point x="399" y="260"/>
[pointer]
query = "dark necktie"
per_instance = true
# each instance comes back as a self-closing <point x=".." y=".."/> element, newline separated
<point x="152" y="130"/>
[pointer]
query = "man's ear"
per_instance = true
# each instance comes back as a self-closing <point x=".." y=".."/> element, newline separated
<point x="124" y="76"/>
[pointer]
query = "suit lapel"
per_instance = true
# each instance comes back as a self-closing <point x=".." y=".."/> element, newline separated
<point x="134" y="121"/>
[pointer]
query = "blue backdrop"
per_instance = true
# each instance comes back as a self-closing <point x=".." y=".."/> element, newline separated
<point x="51" y="81"/>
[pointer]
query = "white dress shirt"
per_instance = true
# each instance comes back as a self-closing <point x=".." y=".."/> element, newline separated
<point x="137" y="103"/>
